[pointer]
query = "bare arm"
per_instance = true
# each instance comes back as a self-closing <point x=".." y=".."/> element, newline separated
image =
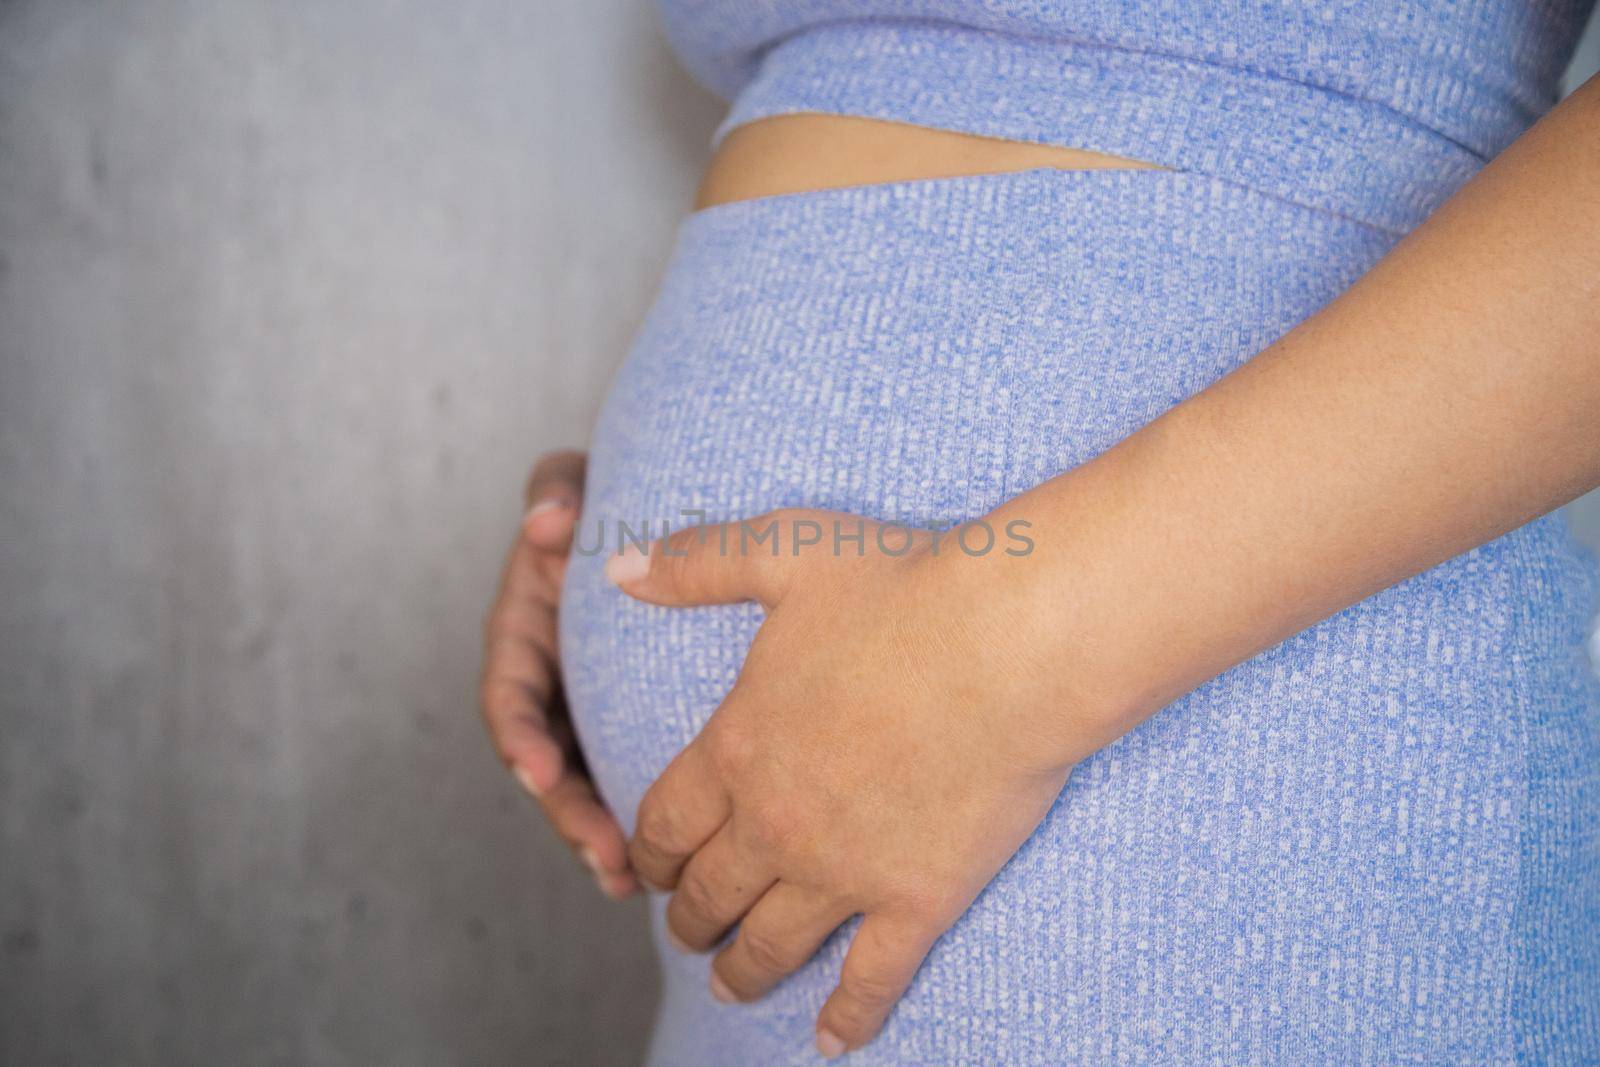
<point x="901" y="725"/>
<point x="1451" y="395"/>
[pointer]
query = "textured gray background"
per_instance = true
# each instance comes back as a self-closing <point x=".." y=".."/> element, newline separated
<point x="290" y="294"/>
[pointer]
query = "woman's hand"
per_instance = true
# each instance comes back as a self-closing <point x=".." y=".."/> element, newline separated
<point x="901" y="725"/>
<point x="889" y="743"/>
<point x="521" y="695"/>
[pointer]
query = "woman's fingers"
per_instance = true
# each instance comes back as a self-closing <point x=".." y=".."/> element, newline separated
<point x="534" y="753"/>
<point x="516" y="698"/>
<point x="882" y="960"/>
<point x="583" y="821"/>
<point x="521" y="649"/>
<point x="521" y="738"/>
<point x="534" y="570"/>
<point x="726" y="563"/>
<point x="716" y="888"/>
<point x="548" y="528"/>
<point x="678" y="814"/>
<point x="520" y="695"/>
<point x="519" y="685"/>
<point x="553" y="496"/>
<point x="523" y="606"/>
<point x="779" y="934"/>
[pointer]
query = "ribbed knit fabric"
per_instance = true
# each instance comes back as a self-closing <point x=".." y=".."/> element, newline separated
<point x="1377" y="111"/>
<point x="1376" y="842"/>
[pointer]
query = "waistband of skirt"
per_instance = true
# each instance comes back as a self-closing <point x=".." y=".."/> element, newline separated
<point x="1310" y="146"/>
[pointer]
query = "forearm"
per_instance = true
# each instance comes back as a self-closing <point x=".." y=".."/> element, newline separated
<point x="1451" y="395"/>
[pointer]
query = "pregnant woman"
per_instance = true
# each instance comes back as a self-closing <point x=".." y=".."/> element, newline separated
<point x="1248" y="717"/>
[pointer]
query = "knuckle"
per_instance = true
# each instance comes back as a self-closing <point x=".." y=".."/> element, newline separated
<point x="673" y="566"/>
<point x="698" y="895"/>
<point x="639" y="858"/>
<point x="499" y="700"/>
<point x="767" y="951"/>
<point x="773" y="828"/>
<point x="731" y="749"/>
<point x="868" y="987"/>
<point x="657" y="825"/>
<point x="652" y="866"/>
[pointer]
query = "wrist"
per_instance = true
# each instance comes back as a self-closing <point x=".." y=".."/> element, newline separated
<point x="1029" y="648"/>
<point x="1099" y="630"/>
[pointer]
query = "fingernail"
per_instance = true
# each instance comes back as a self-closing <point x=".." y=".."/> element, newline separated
<point x="629" y="565"/>
<point x="541" y="506"/>
<point x="677" y="942"/>
<point x="552" y="504"/>
<point x="591" y="861"/>
<point x="615" y="886"/>
<point x="829" y="1044"/>
<point x="525" y="776"/>
<point x="720" y="990"/>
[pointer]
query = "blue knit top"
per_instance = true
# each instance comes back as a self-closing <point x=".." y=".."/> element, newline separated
<point x="1372" y="110"/>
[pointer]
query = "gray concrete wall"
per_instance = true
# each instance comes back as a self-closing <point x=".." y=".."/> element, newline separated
<point x="289" y="296"/>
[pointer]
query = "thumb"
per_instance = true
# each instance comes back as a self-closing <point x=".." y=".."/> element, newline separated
<point x="723" y="563"/>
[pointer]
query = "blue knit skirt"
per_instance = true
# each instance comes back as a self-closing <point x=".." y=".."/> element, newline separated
<point x="1377" y="841"/>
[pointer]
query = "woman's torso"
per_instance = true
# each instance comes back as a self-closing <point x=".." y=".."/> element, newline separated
<point x="1369" y="844"/>
<point x="1374" y="111"/>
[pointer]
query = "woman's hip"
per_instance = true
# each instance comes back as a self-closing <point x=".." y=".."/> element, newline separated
<point x="1373" y="842"/>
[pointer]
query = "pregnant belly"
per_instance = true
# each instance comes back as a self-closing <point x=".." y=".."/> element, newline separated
<point x="917" y="352"/>
<point x="922" y="352"/>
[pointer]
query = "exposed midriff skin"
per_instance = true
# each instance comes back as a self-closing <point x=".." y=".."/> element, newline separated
<point x="808" y="151"/>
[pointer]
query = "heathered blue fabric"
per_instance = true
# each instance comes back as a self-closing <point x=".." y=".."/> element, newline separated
<point x="1377" y="842"/>
<point x="1373" y="110"/>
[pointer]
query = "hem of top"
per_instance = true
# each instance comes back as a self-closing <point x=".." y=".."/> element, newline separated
<point x="1313" y="147"/>
<point x="1044" y="40"/>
